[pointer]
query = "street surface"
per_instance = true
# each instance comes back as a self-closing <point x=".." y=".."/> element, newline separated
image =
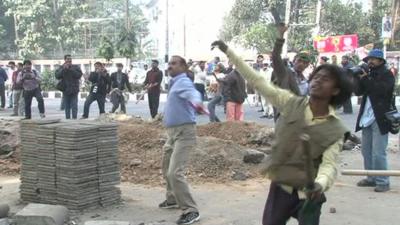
<point x="237" y="203"/>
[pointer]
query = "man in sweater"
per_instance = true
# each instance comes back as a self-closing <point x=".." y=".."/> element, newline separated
<point x="300" y="171"/>
<point x="69" y="76"/>
<point x="180" y="120"/>
<point x="153" y="85"/>
<point x="30" y="81"/>
<point x="119" y="82"/>
<point x="101" y="86"/>
<point x="376" y="89"/>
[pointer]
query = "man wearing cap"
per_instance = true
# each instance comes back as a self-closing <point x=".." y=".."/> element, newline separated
<point x="376" y="89"/>
<point x="153" y="85"/>
<point x="119" y="82"/>
<point x="288" y="78"/>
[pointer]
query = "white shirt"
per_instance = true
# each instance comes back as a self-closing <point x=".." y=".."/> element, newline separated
<point x="368" y="116"/>
<point x="200" y="76"/>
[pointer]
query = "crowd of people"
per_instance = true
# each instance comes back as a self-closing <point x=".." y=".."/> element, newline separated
<point x="309" y="134"/>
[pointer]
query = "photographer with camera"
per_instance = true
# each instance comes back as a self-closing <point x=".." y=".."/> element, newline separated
<point x="69" y="77"/>
<point x="376" y="88"/>
<point x="101" y="86"/>
<point x="30" y="80"/>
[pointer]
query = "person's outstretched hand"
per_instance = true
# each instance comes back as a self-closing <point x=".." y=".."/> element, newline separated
<point x="219" y="44"/>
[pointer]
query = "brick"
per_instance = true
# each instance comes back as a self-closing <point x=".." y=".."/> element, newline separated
<point x="4" y="209"/>
<point x="34" y="214"/>
<point x="105" y="222"/>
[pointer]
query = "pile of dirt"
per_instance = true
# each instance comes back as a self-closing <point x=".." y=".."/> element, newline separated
<point x="9" y="147"/>
<point x="218" y="156"/>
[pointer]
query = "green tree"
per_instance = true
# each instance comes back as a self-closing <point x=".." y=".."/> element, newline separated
<point x="260" y="37"/>
<point x="250" y="22"/>
<point x="105" y="49"/>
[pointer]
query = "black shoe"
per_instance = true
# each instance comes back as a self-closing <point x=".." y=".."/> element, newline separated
<point x="166" y="205"/>
<point x="264" y="116"/>
<point x="382" y="188"/>
<point x="261" y="110"/>
<point x="189" y="218"/>
<point x="366" y="183"/>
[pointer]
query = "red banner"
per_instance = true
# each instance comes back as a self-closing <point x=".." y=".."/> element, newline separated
<point x="343" y="43"/>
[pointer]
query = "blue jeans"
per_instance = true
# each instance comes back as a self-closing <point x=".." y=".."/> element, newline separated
<point x="374" y="146"/>
<point x="211" y="108"/>
<point x="71" y="104"/>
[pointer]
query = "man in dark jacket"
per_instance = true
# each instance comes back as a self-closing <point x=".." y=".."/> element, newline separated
<point x="153" y="86"/>
<point x="291" y="79"/>
<point x="69" y="76"/>
<point x="101" y="85"/>
<point x="3" y="79"/>
<point x="235" y="94"/>
<point x="119" y="81"/>
<point x="346" y="64"/>
<point x="376" y="89"/>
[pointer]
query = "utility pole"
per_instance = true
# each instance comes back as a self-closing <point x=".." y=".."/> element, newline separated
<point x="287" y="20"/>
<point x="127" y="15"/>
<point x="318" y="17"/>
<point x="184" y="34"/>
<point x="166" y="58"/>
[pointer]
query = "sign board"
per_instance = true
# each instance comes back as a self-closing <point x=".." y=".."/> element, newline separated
<point x="342" y="43"/>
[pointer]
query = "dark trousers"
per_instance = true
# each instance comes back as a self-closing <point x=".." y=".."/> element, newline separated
<point x="28" y="96"/>
<point x="202" y="89"/>
<point x="62" y="104"/>
<point x="348" y="107"/>
<point x="71" y="104"/>
<point x="118" y="100"/>
<point x="3" y="95"/>
<point x="154" y="102"/>
<point x="281" y="206"/>
<point x="211" y="108"/>
<point x="101" y="100"/>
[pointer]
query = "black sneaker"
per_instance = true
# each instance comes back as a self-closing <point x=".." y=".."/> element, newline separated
<point x="382" y="188"/>
<point x="166" y="205"/>
<point x="366" y="183"/>
<point x="189" y="218"/>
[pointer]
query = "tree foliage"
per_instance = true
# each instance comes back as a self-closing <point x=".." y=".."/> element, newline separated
<point x="106" y="49"/>
<point x="49" y="28"/>
<point x="250" y="22"/>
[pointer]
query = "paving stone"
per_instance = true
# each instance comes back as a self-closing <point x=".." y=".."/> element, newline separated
<point x="253" y="156"/>
<point x="35" y="214"/>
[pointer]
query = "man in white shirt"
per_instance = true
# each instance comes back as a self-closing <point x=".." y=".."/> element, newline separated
<point x="200" y="76"/>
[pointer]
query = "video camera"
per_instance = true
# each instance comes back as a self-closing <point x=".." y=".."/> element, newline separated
<point x="358" y="70"/>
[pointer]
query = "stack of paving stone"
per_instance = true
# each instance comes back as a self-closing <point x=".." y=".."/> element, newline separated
<point x="76" y="166"/>
<point x="46" y="163"/>
<point x="108" y="164"/>
<point x="29" y="159"/>
<point x="71" y="164"/>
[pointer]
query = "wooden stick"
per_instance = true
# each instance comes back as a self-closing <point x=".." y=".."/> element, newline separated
<point x="371" y="172"/>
